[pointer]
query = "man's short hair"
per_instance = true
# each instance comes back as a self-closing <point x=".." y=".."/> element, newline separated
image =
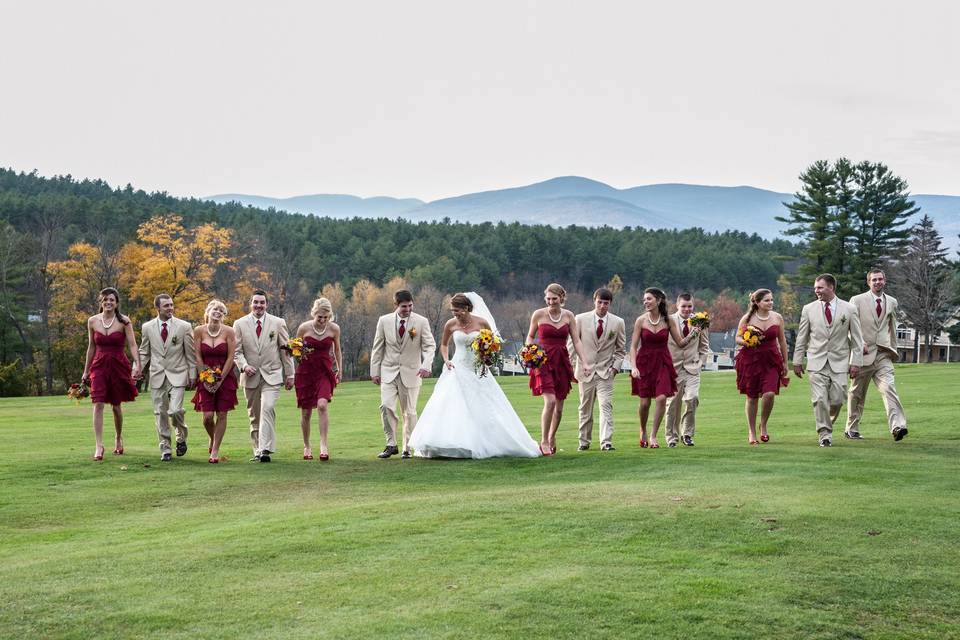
<point x="401" y="296"/>
<point x="875" y="270"/>
<point x="161" y="296"/>
<point x="829" y="279"/>
<point x="603" y="294"/>
<point x="259" y="292"/>
<point x="685" y="296"/>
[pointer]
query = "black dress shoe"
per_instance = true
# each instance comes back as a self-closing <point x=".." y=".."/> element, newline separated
<point x="672" y="445"/>
<point x="264" y="457"/>
<point x="166" y="457"/>
<point x="852" y="435"/>
<point x="583" y="447"/>
<point x="687" y="441"/>
<point x="899" y="433"/>
<point x="181" y="448"/>
<point x="406" y="455"/>
<point x="826" y="443"/>
<point x="388" y="451"/>
<point x="607" y="447"/>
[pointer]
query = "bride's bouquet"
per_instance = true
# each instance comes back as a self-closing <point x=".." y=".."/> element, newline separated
<point x="487" y="351"/>
<point x="752" y="336"/>
<point x="532" y="356"/>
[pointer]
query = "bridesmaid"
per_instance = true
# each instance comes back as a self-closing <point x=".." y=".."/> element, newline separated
<point x="107" y="368"/>
<point x="553" y="325"/>
<point x="653" y="375"/>
<point x="316" y="374"/>
<point x="215" y="344"/>
<point x="760" y="369"/>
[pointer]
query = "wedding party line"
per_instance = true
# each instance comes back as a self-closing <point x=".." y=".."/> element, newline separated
<point x="468" y="415"/>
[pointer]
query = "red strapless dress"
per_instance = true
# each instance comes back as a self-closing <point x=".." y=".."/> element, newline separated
<point x="110" y="378"/>
<point x="657" y="375"/>
<point x="225" y="397"/>
<point x="759" y="368"/>
<point x="556" y="375"/>
<point x="315" y="378"/>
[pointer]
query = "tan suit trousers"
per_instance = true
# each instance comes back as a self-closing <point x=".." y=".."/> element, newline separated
<point x="881" y="372"/>
<point x="595" y="390"/>
<point x="390" y="393"/>
<point x="167" y="408"/>
<point x="828" y="391"/>
<point x="682" y="407"/>
<point x="261" y="409"/>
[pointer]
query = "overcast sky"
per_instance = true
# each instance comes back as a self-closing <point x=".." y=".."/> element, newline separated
<point x="432" y="99"/>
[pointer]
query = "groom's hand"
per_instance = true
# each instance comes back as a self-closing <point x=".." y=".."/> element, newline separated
<point x="798" y="370"/>
<point x="375" y="379"/>
<point x="249" y="370"/>
<point x="854" y="371"/>
<point x="289" y="383"/>
<point x="423" y="373"/>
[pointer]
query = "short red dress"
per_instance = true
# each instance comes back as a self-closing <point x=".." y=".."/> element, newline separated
<point x="225" y="398"/>
<point x="111" y="381"/>
<point x="759" y="368"/>
<point x="315" y="377"/>
<point x="657" y="375"/>
<point x="556" y="374"/>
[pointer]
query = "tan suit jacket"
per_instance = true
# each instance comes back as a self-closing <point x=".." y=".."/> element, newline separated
<point x="838" y="345"/>
<point x="272" y="363"/>
<point x="879" y="333"/>
<point x="691" y="356"/>
<point x="392" y="356"/>
<point x="603" y="353"/>
<point x="173" y="360"/>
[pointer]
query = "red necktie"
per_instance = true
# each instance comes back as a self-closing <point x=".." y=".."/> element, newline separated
<point x="163" y="332"/>
<point x="826" y="312"/>
<point x="879" y="307"/>
<point x="686" y="329"/>
<point x="402" y="330"/>
<point x="599" y="327"/>
<point x="259" y="328"/>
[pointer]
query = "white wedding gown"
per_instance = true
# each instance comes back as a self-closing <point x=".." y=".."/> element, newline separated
<point x="468" y="416"/>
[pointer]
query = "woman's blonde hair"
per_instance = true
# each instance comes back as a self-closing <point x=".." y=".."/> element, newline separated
<point x="214" y="304"/>
<point x="321" y="304"/>
<point x="557" y="290"/>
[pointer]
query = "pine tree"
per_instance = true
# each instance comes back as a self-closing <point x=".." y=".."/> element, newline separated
<point x="809" y="217"/>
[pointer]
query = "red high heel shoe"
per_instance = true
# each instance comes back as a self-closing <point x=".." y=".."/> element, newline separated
<point x="545" y="452"/>
<point x="765" y="438"/>
<point x="118" y="451"/>
<point x="213" y="460"/>
<point x="643" y="444"/>
<point x="324" y="457"/>
<point x="307" y="454"/>
<point x="97" y="457"/>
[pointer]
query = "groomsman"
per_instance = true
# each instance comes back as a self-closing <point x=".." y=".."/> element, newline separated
<point x="166" y="353"/>
<point x="603" y="336"/>
<point x="878" y="321"/>
<point x="401" y="357"/>
<point x="829" y="336"/>
<point x="688" y="361"/>
<point x="264" y="366"/>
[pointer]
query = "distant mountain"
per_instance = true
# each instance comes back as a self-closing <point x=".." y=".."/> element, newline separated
<point x="576" y="200"/>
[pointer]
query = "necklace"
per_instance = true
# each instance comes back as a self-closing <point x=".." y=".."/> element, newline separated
<point x="212" y="334"/>
<point x="551" y="317"/>
<point x="761" y="318"/>
<point x="652" y="323"/>
<point x="105" y="325"/>
<point x="313" y="325"/>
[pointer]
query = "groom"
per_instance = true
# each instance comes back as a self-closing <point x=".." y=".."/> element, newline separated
<point x="401" y="357"/>
<point x="167" y="355"/>
<point x="829" y="336"/>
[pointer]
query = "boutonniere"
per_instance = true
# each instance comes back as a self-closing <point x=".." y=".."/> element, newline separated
<point x="843" y="319"/>
<point x="413" y="333"/>
<point x="610" y="336"/>
<point x="174" y="340"/>
<point x="272" y="335"/>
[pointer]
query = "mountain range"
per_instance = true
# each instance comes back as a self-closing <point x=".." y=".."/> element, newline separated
<point x="575" y="200"/>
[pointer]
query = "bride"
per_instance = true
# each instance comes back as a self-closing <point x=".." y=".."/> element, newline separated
<point x="468" y="416"/>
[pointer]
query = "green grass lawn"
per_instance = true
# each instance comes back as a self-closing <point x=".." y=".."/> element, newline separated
<point x="722" y="540"/>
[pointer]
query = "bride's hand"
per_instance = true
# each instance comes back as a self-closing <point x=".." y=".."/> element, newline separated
<point x="450" y="365"/>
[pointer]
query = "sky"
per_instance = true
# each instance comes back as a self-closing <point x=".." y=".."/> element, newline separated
<point x="438" y="98"/>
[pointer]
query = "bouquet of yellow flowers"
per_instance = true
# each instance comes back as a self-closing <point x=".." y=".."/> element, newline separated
<point x="78" y="391"/>
<point x="751" y="336"/>
<point x="210" y="376"/>
<point x="699" y="320"/>
<point x="297" y="349"/>
<point x="487" y="351"/>
<point x="532" y="356"/>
